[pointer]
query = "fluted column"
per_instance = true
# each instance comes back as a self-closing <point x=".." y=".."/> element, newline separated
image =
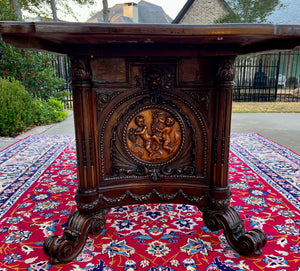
<point x="81" y="74"/>
<point x="221" y="136"/>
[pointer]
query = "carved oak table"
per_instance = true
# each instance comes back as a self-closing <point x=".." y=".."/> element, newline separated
<point x="152" y="110"/>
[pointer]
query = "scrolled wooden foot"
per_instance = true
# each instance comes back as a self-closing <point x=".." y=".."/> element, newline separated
<point x="245" y="243"/>
<point x="66" y="248"/>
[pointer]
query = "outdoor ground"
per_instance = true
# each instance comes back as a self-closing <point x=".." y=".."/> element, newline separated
<point x="255" y="107"/>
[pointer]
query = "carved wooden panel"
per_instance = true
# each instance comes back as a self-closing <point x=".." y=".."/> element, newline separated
<point x="152" y="130"/>
<point x="114" y="74"/>
<point x="153" y="75"/>
<point x="196" y="71"/>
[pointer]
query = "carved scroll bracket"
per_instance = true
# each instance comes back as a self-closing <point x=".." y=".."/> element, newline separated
<point x="245" y="243"/>
<point x="66" y="248"/>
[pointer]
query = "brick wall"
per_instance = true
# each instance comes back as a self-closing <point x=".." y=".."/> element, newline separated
<point x="204" y="12"/>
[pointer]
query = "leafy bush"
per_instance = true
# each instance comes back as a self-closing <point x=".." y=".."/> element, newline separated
<point x="15" y="107"/>
<point x="7" y="12"/>
<point x="46" y="112"/>
<point x="18" y="109"/>
<point x="32" y="69"/>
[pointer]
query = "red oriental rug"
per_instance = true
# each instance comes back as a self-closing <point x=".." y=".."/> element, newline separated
<point x="37" y="188"/>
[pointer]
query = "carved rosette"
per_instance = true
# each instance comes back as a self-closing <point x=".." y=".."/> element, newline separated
<point x="226" y="70"/>
<point x="104" y="97"/>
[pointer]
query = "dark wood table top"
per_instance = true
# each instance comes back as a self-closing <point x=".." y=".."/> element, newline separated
<point x="69" y="38"/>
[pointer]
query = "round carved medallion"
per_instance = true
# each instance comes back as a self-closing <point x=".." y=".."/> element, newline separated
<point x="153" y="135"/>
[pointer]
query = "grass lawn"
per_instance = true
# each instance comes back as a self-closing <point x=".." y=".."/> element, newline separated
<point x="277" y="107"/>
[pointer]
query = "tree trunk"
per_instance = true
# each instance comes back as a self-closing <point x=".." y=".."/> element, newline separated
<point x="105" y="11"/>
<point x="15" y="5"/>
<point x="54" y="11"/>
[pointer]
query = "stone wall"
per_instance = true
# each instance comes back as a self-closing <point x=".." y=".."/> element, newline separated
<point x="204" y="12"/>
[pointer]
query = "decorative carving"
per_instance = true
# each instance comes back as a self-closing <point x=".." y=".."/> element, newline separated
<point x="66" y="248"/>
<point x="245" y="243"/>
<point x="226" y="69"/>
<point x="153" y="135"/>
<point x="86" y="207"/>
<point x="201" y="98"/>
<point x="147" y="137"/>
<point x="137" y="81"/>
<point x="83" y="146"/>
<point x="220" y="204"/>
<point x="104" y="97"/>
<point x="154" y="192"/>
<point x="170" y="80"/>
<point x="80" y="69"/>
<point x="153" y="78"/>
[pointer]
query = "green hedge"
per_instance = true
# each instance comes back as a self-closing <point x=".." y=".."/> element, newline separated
<point x="48" y="112"/>
<point x="15" y="107"/>
<point x="18" y="109"/>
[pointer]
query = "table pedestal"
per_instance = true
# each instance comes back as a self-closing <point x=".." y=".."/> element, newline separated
<point x="149" y="130"/>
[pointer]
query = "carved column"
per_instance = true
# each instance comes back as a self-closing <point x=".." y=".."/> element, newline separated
<point x="221" y="134"/>
<point x="89" y="218"/>
<point x="219" y="214"/>
<point x="81" y="74"/>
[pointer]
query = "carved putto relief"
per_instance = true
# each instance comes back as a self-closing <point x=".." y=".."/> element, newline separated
<point x="153" y="135"/>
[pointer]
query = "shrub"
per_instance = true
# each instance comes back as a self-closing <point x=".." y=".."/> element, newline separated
<point x="18" y="109"/>
<point x="46" y="112"/>
<point x="15" y="107"/>
<point x="7" y="12"/>
<point x="33" y="69"/>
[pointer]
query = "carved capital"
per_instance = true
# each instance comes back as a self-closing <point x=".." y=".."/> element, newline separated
<point x="226" y="70"/>
<point x="80" y="69"/>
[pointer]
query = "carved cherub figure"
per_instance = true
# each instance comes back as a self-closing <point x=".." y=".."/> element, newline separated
<point x="166" y="133"/>
<point x="143" y="132"/>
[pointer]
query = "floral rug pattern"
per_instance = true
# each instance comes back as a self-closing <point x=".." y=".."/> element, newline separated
<point x="38" y="184"/>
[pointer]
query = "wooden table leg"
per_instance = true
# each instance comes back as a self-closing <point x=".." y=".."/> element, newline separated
<point x="219" y="214"/>
<point x="89" y="218"/>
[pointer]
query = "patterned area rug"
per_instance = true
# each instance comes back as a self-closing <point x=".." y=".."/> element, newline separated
<point x="38" y="184"/>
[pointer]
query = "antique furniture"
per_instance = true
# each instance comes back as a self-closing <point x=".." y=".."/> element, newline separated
<point x="152" y="109"/>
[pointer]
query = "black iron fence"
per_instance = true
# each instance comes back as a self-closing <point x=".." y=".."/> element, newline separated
<point x="268" y="77"/>
<point x="259" y="78"/>
<point x="61" y="65"/>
